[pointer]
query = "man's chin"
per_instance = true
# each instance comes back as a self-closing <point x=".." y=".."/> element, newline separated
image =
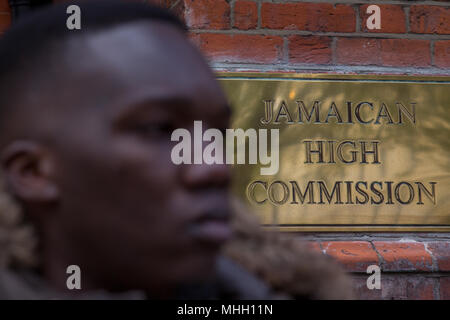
<point x="201" y="268"/>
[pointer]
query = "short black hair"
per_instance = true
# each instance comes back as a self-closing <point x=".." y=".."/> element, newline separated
<point x="35" y="37"/>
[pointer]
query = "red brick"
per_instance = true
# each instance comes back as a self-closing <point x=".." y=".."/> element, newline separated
<point x="358" y="51"/>
<point x="240" y="47"/>
<point x="420" y="288"/>
<point x="284" y="16"/>
<point x="445" y="288"/>
<point x="356" y="256"/>
<point x="308" y="16"/>
<point x="404" y="256"/>
<point x="207" y="14"/>
<point x="5" y="21"/>
<point x="399" y="287"/>
<point x="429" y="19"/>
<point x="360" y="288"/>
<point x="309" y="49"/>
<point x="442" y="54"/>
<point x="4" y="6"/>
<point x="410" y="287"/>
<point x="393" y="19"/>
<point x="405" y="53"/>
<point x="245" y="15"/>
<point x="441" y="252"/>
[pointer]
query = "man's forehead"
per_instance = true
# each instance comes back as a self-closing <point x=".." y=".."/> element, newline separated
<point x="138" y="59"/>
<point x="139" y="48"/>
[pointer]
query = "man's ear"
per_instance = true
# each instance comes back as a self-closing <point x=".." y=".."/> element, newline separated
<point x="29" y="171"/>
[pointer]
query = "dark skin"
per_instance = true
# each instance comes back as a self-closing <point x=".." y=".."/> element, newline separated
<point x="91" y="162"/>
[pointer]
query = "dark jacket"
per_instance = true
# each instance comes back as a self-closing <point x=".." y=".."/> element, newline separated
<point x="231" y="282"/>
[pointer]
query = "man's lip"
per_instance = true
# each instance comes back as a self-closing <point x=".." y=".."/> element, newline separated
<point x="213" y="231"/>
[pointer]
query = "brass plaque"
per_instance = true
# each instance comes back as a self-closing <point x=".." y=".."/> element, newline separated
<point x="356" y="153"/>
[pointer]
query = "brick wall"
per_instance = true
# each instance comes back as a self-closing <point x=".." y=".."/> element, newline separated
<point x="322" y="35"/>
<point x="412" y="266"/>
<point x="5" y="16"/>
<point x="331" y="36"/>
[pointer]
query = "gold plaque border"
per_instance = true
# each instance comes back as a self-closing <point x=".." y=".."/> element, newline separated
<point x="336" y="77"/>
<point x="346" y="78"/>
<point x="356" y="228"/>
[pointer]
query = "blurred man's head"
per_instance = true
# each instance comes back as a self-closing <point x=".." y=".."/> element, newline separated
<point x="86" y="118"/>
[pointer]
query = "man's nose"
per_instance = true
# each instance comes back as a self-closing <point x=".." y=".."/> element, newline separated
<point x="206" y="175"/>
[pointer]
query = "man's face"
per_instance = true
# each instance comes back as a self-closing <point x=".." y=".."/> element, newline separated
<point x="132" y="217"/>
